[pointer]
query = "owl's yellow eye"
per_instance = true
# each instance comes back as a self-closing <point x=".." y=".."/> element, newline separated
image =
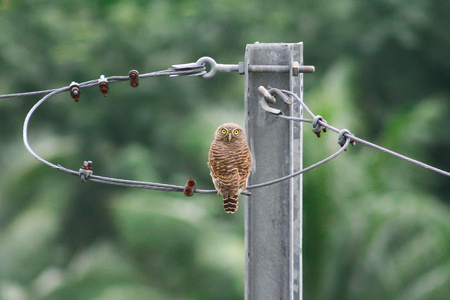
<point x="224" y="131"/>
<point x="236" y="132"/>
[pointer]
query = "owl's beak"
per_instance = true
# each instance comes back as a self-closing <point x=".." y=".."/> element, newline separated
<point x="230" y="137"/>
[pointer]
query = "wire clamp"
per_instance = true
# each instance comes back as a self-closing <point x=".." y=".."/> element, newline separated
<point x="190" y="69"/>
<point x="75" y="91"/>
<point x="134" y="78"/>
<point x="345" y="134"/>
<point x="317" y="126"/>
<point x="103" y="85"/>
<point x="189" y="188"/>
<point x="86" y="171"/>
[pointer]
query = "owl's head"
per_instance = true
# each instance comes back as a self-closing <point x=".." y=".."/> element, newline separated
<point x="229" y="133"/>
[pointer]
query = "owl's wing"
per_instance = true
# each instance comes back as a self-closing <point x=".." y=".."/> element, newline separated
<point x="214" y="167"/>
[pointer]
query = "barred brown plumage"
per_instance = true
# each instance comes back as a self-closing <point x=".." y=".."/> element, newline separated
<point x="230" y="161"/>
<point x="231" y="204"/>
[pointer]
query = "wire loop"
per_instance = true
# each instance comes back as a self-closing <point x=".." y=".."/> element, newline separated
<point x="85" y="172"/>
<point x="212" y="63"/>
<point x="197" y="69"/>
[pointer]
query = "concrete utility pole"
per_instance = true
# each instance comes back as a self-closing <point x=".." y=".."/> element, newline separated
<point x="273" y="214"/>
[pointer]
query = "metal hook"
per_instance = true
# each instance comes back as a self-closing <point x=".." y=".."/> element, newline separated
<point x="268" y="96"/>
<point x="285" y="98"/>
<point x="215" y="67"/>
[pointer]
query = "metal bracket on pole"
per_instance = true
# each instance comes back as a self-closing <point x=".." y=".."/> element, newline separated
<point x="294" y="68"/>
<point x="273" y="214"/>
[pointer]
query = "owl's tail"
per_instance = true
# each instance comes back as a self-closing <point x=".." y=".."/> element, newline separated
<point x="231" y="204"/>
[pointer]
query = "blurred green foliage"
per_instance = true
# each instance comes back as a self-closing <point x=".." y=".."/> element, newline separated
<point x="375" y="227"/>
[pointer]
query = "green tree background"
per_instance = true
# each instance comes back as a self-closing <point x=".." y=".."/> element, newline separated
<point x="375" y="227"/>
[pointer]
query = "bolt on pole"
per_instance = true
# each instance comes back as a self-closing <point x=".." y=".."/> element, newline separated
<point x="273" y="214"/>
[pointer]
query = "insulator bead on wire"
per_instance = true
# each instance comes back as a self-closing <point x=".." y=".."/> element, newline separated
<point x="342" y="138"/>
<point x="189" y="188"/>
<point x="85" y="170"/>
<point x="103" y="85"/>
<point x="134" y="78"/>
<point x="317" y="127"/>
<point x="75" y="91"/>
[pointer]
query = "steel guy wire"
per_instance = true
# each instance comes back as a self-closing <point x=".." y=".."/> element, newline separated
<point x="174" y="71"/>
<point x="344" y="147"/>
<point x="362" y="141"/>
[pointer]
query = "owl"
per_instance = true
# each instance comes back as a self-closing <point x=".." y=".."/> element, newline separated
<point x="229" y="161"/>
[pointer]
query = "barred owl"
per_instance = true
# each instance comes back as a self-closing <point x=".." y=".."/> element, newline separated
<point x="229" y="161"/>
